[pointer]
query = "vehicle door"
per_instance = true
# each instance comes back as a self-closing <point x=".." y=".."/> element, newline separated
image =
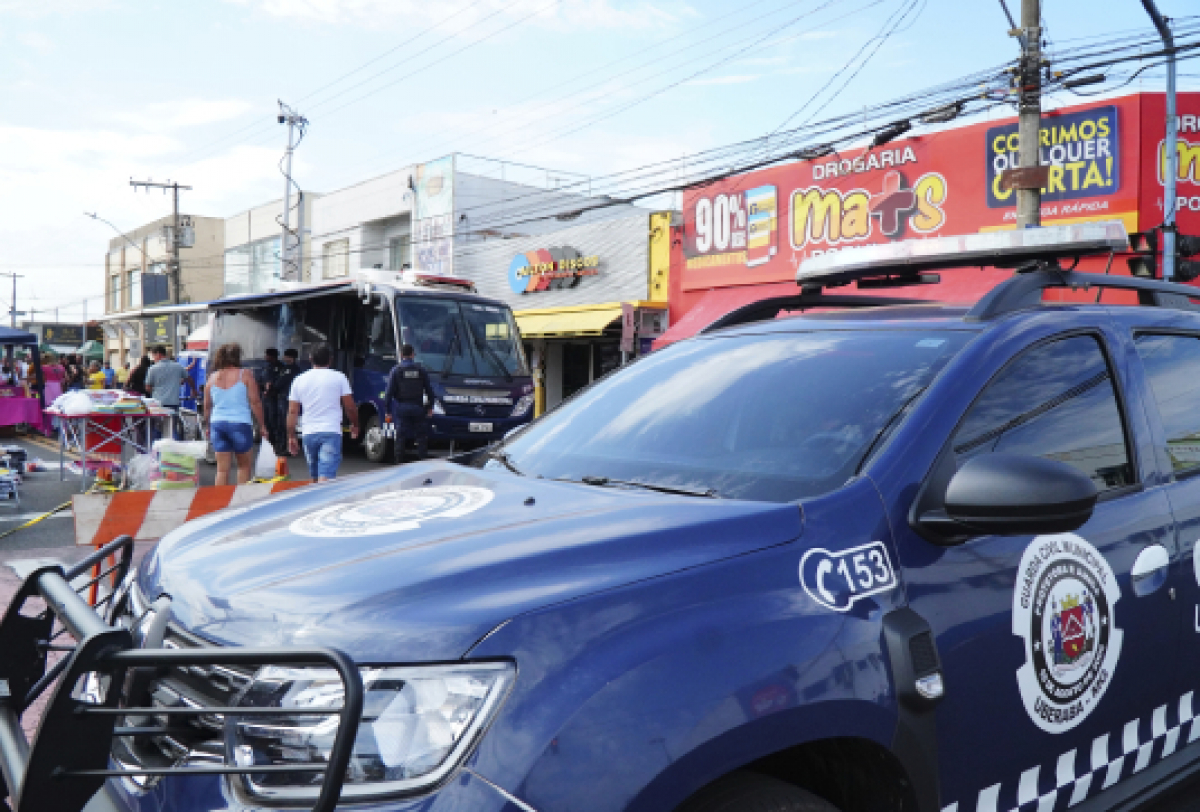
<point x="1171" y="361"/>
<point x="1056" y="666"/>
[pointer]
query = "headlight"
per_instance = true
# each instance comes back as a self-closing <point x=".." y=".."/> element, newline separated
<point x="522" y="406"/>
<point x="417" y="725"/>
<point x="437" y="407"/>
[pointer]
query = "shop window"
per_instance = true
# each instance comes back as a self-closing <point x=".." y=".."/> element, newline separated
<point x="576" y="368"/>
<point x="399" y="253"/>
<point x="336" y="255"/>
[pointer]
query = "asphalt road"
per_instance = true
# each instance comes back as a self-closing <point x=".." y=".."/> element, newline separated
<point x="44" y="490"/>
<point x="53" y="538"/>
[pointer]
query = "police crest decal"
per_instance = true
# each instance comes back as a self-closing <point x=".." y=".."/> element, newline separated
<point x="1064" y="608"/>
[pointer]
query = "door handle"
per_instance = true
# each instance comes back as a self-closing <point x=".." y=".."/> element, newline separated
<point x="1150" y="570"/>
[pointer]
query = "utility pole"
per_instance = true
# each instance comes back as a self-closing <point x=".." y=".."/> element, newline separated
<point x="1030" y="180"/>
<point x="1171" y="170"/>
<point x="176" y="188"/>
<point x="13" y="313"/>
<point x="175" y="275"/>
<point x="291" y="242"/>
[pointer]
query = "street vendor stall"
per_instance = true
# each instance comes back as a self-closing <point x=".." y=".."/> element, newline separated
<point x="105" y="428"/>
<point x="22" y="403"/>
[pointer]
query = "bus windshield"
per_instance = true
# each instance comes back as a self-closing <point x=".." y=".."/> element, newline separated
<point x="453" y="337"/>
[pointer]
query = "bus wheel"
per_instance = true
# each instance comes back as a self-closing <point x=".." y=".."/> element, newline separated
<point x="375" y="445"/>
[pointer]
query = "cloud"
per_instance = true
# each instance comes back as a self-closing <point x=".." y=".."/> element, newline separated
<point x="42" y="8"/>
<point x="174" y="115"/>
<point x="35" y="41"/>
<point x="463" y="13"/>
<point x="52" y="176"/>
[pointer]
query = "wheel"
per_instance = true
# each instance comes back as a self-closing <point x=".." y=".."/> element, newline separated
<point x="375" y="446"/>
<point x="749" y="792"/>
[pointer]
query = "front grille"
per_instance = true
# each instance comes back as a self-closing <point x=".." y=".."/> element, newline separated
<point x="193" y="739"/>
<point x="461" y="410"/>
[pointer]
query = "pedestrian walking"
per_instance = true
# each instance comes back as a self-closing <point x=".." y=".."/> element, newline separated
<point x="280" y="391"/>
<point x="109" y="375"/>
<point x="164" y="381"/>
<point x="232" y="404"/>
<point x="408" y="388"/>
<point x="123" y="375"/>
<point x="74" y="374"/>
<point x="137" y="378"/>
<point x="322" y="395"/>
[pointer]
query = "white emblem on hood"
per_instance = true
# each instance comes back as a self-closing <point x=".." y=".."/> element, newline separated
<point x="392" y="512"/>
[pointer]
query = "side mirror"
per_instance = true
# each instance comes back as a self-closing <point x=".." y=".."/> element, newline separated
<point x="1013" y="495"/>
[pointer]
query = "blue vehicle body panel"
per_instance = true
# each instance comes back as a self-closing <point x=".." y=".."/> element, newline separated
<point x="431" y="592"/>
<point x="663" y="641"/>
<point x="673" y="680"/>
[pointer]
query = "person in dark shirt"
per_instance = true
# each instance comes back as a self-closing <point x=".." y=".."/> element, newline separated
<point x="408" y="386"/>
<point x="266" y="376"/>
<point x="137" y="378"/>
<point x="281" y="387"/>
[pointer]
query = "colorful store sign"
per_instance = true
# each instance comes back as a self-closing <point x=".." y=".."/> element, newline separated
<point x="755" y="228"/>
<point x="550" y="269"/>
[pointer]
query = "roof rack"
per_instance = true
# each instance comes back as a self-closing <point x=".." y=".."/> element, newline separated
<point x="808" y="298"/>
<point x="1024" y="291"/>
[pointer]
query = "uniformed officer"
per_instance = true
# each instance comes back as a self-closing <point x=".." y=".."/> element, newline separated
<point x="408" y="384"/>
<point x="265" y="376"/>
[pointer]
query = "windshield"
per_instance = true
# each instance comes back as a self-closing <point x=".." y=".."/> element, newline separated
<point x="461" y="338"/>
<point x="774" y="417"/>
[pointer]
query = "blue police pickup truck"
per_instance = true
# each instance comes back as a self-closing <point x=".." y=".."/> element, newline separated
<point x="876" y="556"/>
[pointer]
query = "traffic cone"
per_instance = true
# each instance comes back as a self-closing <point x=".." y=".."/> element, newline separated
<point x="281" y="468"/>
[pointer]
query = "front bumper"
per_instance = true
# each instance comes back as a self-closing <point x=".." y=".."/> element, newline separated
<point x="465" y="792"/>
<point x="450" y="427"/>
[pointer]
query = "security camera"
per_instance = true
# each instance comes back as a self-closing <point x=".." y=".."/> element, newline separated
<point x="282" y="118"/>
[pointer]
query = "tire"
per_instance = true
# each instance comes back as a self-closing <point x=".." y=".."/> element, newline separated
<point x="749" y="792"/>
<point x="376" y="447"/>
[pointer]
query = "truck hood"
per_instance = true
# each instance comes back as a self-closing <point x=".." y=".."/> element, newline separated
<point x="420" y="563"/>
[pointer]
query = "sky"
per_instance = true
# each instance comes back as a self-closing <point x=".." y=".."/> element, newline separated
<point x="96" y="92"/>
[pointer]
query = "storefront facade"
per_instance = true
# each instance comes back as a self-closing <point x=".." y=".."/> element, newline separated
<point x="587" y="298"/>
<point x="742" y="238"/>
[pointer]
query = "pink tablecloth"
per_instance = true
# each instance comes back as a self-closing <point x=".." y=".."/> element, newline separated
<point x="20" y="410"/>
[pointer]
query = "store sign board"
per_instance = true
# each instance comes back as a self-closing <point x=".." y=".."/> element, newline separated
<point x="550" y="269"/>
<point x="158" y="330"/>
<point x="756" y="228"/>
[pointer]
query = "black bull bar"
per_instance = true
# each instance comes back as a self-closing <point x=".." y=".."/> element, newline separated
<point x="68" y="760"/>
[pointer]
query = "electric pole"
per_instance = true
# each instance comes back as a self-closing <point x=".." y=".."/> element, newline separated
<point x="13" y="313"/>
<point x="176" y="189"/>
<point x="291" y="243"/>
<point x="1032" y="178"/>
<point x="1170" y="145"/>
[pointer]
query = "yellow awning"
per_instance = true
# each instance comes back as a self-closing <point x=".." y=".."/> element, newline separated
<point x="567" y="322"/>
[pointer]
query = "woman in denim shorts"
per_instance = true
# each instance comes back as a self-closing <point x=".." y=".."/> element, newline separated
<point x="232" y="403"/>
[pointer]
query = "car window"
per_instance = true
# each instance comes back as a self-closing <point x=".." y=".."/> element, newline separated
<point x="1057" y="401"/>
<point x="1172" y="365"/>
<point x="773" y="417"/>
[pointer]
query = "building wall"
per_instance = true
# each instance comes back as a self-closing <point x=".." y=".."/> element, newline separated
<point x="484" y="204"/>
<point x="357" y="222"/>
<point x="621" y="244"/>
<point x="253" y="243"/>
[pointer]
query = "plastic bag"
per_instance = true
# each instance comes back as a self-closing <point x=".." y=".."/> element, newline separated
<point x="143" y="472"/>
<point x="189" y="448"/>
<point x="264" y="466"/>
<point x="74" y="403"/>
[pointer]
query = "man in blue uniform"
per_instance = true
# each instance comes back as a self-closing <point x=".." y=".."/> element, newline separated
<point x="408" y="384"/>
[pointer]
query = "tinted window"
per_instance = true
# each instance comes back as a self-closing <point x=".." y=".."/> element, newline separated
<point x="462" y="338"/>
<point x="1055" y="401"/>
<point x="1173" y="366"/>
<point x="773" y="417"/>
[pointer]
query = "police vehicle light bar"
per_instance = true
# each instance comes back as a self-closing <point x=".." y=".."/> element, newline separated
<point x="1003" y="248"/>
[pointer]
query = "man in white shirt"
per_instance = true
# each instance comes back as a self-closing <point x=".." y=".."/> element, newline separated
<point x="323" y="395"/>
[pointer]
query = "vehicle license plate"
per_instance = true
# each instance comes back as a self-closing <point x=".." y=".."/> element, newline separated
<point x="484" y="427"/>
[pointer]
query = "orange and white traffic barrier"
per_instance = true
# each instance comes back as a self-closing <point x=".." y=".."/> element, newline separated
<point x="150" y="515"/>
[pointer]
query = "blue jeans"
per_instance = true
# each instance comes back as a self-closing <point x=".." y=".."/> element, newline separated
<point x="323" y="451"/>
